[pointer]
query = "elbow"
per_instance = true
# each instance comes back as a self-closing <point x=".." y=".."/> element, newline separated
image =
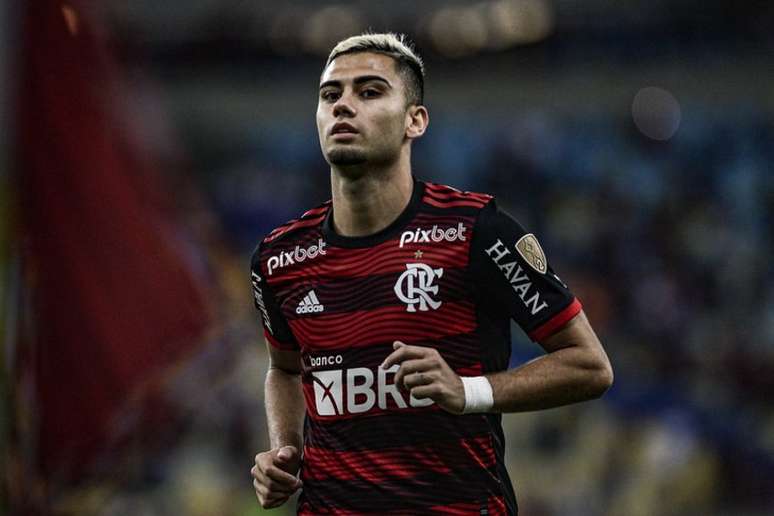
<point x="602" y="378"/>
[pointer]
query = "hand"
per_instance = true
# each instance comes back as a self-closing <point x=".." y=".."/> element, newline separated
<point x="274" y="476"/>
<point x="425" y="373"/>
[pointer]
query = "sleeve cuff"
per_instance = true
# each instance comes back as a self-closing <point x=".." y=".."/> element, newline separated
<point x="549" y="327"/>
<point x="285" y="346"/>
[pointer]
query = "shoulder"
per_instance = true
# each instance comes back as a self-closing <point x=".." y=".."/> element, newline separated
<point x="445" y="197"/>
<point x="309" y="219"/>
<point x="292" y="229"/>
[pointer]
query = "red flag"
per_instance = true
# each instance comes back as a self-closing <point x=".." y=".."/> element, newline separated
<point x="115" y="302"/>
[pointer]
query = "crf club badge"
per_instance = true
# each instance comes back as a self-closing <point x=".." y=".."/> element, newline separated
<point x="529" y="249"/>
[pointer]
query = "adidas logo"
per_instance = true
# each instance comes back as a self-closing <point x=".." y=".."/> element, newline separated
<point x="310" y="304"/>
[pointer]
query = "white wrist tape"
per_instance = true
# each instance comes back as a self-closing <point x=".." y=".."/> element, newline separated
<point x="478" y="394"/>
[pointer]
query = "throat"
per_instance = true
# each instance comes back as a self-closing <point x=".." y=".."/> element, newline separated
<point x="366" y="205"/>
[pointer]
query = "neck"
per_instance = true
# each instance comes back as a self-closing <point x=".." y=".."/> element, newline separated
<point x="369" y="201"/>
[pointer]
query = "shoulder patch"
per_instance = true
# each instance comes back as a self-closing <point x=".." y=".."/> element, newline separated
<point x="529" y="249"/>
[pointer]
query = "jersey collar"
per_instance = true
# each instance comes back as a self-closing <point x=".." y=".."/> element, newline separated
<point x="333" y="238"/>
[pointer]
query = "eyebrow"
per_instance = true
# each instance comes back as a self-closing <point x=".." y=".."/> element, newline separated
<point x="358" y="80"/>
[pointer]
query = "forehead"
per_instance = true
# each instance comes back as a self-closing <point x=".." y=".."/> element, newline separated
<point x="349" y="66"/>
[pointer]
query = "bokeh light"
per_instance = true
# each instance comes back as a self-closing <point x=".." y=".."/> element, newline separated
<point x="656" y="113"/>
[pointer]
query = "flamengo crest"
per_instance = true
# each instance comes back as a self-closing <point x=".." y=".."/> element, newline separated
<point x="415" y="287"/>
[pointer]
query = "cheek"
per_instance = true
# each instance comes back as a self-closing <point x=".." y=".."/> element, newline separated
<point x="392" y="123"/>
<point x="320" y="118"/>
<point x="399" y="127"/>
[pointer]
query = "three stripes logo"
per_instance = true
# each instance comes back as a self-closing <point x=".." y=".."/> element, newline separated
<point x="310" y="304"/>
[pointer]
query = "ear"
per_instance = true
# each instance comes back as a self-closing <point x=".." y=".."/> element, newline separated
<point x="417" y="120"/>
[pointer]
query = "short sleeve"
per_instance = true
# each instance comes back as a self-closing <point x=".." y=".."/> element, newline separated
<point x="511" y="274"/>
<point x="275" y="326"/>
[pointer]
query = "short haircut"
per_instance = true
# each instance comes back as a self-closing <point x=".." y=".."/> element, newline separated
<point x="407" y="62"/>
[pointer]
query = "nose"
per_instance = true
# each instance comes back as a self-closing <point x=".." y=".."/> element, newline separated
<point x="343" y="107"/>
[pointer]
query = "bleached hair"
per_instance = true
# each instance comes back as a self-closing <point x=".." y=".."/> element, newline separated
<point x="407" y="62"/>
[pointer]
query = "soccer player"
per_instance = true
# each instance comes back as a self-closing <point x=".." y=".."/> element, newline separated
<point x="387" y="315"/>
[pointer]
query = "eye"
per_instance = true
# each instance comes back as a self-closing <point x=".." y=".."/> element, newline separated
<point x="370" y="93"/>
<point x="329" y="95"/>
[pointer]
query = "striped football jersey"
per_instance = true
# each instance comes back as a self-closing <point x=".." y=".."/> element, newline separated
<point x="449" y="273"/>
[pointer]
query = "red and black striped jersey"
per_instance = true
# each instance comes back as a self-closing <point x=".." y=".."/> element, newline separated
<point x="449" y="273"/>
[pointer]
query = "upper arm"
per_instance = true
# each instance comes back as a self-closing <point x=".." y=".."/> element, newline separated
<point x="577" y="332"/>
<point x="513" y="277"/>
<point x="279" y="336"/>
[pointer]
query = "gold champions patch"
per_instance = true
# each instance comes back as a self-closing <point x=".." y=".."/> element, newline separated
<point x="529" y="249"/>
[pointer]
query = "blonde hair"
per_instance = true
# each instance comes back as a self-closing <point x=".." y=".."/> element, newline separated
<point x="407" y="62"/>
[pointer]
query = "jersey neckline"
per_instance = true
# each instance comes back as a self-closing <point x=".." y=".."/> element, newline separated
<point x="333" y="238"/>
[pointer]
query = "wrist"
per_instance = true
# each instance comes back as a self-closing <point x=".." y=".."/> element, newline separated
<point x="293" y="439"/>
<point x="478" y="394"/>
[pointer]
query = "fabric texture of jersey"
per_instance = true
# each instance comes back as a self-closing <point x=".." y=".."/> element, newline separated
<point x="449" y="273"/>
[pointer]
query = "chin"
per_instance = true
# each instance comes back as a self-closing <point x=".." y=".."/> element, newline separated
<point x="343" y="156"/>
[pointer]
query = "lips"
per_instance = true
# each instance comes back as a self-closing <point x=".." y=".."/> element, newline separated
<point x="343" y="128"/>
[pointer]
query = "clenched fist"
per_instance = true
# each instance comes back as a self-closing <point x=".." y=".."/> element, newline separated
<point x="274" y="476"/>
<point x="425" y="374"/>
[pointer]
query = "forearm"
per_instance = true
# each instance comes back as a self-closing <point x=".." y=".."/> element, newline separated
<point x="284" y="408"/>
<point x="565" y="376"/>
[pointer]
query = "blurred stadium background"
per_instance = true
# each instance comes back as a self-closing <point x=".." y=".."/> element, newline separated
<point x="147" y="146"/>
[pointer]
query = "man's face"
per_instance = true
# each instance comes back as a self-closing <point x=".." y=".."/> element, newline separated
<point x="361" y="110"/>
